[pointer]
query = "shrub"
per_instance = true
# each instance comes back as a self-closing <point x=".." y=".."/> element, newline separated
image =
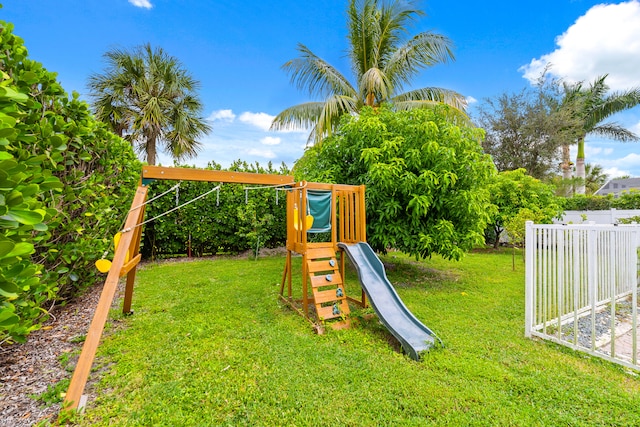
<point x="65" y="185"/>
<point x="426" y="178"/>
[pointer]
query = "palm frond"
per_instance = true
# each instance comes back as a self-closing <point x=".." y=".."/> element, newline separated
<point x="422" y="51"/>
<point x="311" y="73"/>
<point x="433" y="94"/>
<point x="301" y="116"/>
<point x="374" y="87"/>
<point x="615" y="131"/>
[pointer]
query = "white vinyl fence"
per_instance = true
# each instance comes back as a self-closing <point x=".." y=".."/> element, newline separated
<point x="581" y="288"/>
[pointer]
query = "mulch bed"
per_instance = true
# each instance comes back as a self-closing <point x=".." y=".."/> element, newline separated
<point x="28" y="370"/>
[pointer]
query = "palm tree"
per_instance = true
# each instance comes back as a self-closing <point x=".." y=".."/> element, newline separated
<point x="148" y="98"/>
<point x="382" y="62"/>
<point x="595" y="177"/>
<point x="594" y="106"/>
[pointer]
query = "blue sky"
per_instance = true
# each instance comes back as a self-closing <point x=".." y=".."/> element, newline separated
<point x="236" y="49"/>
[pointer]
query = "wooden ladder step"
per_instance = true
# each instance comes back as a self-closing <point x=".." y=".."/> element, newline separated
<point x="327" y="296"/>
<point x="326" y="313"/>
<point x="321" y="280"/>
<point x="317" y="253"/>
<point x="322" y="265"/>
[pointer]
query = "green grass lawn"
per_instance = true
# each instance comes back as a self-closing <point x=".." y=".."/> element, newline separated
<point x="210" y="344"/>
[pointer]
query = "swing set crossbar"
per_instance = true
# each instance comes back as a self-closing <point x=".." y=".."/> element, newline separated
<point x="186" y="174"/>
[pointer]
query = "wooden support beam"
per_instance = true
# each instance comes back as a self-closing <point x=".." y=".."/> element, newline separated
<point x="83" y="367"/>
<point x="130" y="265"/>
<point x="187" y="174"/>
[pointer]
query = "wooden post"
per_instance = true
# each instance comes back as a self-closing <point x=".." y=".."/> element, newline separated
<point x="134" y="250"/>
<point x="83" y="367"/>
<point x="363" y="215"/>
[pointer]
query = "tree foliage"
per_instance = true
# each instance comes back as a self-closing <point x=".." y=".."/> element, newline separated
<point x="65" y="183"/>
<point x="519" y="197"/>
<point x="147" y="97"/>
<point x="593" y="105"/>
<point x="426" y="178"/>
<point x="580" y="202"/>
<point x="383" y="62"/>
<point x="526" y="130"/>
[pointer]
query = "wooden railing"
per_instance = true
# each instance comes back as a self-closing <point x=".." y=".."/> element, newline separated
<point x="348" y="214"/>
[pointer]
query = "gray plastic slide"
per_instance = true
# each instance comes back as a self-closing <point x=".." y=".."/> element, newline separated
<point x="394" y="315"/>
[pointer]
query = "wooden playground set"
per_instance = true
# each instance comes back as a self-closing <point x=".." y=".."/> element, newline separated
<point x="321" y="206"/>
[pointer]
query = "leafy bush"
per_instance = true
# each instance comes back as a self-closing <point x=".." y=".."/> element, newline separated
<point x="229" y="221"/>
<point x="519" y="197"/>
<point x="65" y="185"/>
<point x="426" y="178"/>
<point x="626" y="200"/>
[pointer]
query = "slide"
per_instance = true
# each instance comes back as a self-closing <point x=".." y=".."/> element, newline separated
<point x="394" y="315"/>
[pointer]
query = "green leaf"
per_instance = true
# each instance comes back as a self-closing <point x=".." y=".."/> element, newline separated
<point x="40" y="227"/>
<point x="20" y="249"/>
<point x="8" y="318"/>
<point x="7" y="223"/>
<point x="7" y="92"/>
<point x="6" y="246"/>
<point x="26" y="217"/>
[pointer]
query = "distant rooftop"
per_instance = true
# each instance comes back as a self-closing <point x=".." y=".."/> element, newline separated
<point x="617" y="186"/>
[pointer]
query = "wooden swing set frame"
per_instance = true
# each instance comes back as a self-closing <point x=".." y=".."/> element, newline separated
<point x="349" y="226"/>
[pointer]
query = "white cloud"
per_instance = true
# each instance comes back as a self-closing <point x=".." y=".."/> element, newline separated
<point x="222" y="115"/>
<point x="267" y="154"/>
<point x="471" y="100"/>
<point x="605" y="40"/>
<point x="260" y="120"/>
<point x="614" y="172"/>
<point x="270" y="140"/>
<point x="141" y="3"/>
<point x="608" y="151"/>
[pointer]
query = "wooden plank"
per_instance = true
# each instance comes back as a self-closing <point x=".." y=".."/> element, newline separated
<point x="326" y="313"/>
<point x="322" y="252"/>
<point x="130" y="265"/>
<point x="317" y="281"/>
<point x="326" y="296"/>
<point x="83" y="367"/>
<point x="323" y="265"/>
<point x="188" y="174"/>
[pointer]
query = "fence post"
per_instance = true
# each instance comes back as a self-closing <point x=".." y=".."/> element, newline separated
<point x="529" y="277"/>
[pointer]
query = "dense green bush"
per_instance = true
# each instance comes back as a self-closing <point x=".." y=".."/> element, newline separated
<point x="426" y="178"/>
<point x="518" y="195"/>
<point x="229" y="221"/>
<point x="65" y="186"/>
<point x="626" y="200"/>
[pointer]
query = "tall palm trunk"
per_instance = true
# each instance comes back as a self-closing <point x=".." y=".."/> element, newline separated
<point x="151" y="150"/>
<point x="566" y="162"/>
<point x="580" y="169"/>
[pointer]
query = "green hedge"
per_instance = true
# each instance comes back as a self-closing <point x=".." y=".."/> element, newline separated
<point x="230" y="221"/>
<point x="627" y="200"/>
<point x="65" y="186"/>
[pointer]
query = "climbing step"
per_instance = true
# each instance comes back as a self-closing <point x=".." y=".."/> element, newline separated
<point x="334" y="279"/>
<point x="329" y="295"/>
<point x="328" y="313"/>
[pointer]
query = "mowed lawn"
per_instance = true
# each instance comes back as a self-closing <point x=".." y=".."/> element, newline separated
<point x="211" y="345"/>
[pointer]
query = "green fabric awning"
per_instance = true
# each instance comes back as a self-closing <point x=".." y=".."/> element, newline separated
<point x="320" y="208"/>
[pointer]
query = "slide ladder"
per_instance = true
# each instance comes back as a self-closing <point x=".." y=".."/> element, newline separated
<point x="327" y="284"/>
